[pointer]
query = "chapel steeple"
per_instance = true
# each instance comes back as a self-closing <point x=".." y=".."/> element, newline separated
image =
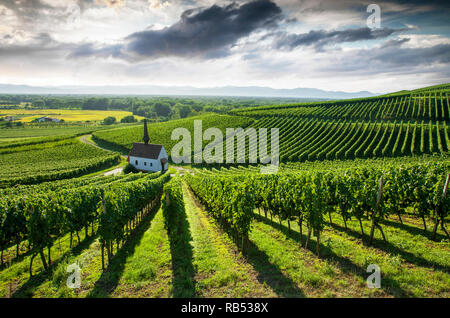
<point x="146" y="138"/>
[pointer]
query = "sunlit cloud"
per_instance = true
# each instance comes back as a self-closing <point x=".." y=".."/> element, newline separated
<point x="115" y="4"/>
<point x="291" y="43"/>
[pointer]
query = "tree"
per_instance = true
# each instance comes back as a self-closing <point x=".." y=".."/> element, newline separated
<point x="197" y="107"/>
<point x="109" y="120"/>
<point x="162" y="109"/>
<point x="184" y="111"/>
<point x="39" y="103"/>
<point x="128" y="119"/>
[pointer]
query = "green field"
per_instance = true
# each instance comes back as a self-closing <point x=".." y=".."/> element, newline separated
<point x="51" y="161"/>
<point x="361" y="182"/>
<point x="68" y="115"/>
<point x="17" y="134"/>
<point x="160" y="133"/>
<point x="389" y="126"/>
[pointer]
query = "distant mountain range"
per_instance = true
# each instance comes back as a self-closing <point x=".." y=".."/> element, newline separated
<point x="249" y="91"/>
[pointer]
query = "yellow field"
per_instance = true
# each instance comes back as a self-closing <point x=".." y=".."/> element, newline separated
<point x="27" y="115"/>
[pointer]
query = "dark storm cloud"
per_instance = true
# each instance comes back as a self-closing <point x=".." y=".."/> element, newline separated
<point x="413" y="56"/>
<point x="89" y="49"/>
<point x="393" y="58"/>
<point x="34" y="14"/>
<point x="206" y="32"/>
<point x="26" y="9"/>
<point x="321" y="38"/>
<point x="436" y="4"/>
<point x="395" y="42"/>
<point x="42" y="45"/>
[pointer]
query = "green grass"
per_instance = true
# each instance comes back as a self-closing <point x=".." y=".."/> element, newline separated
<point x="220" y="270"/>
<point x="411" y="265"/>
<point x="160" y="133"/>
<point x="59" y="162"/>
<point x="15" y="280"/>
<point x="142" y="268"/>
<point x="43" y="130"/>
<point x="206" y="263"/>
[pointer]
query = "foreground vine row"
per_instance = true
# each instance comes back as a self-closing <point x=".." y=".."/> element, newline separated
<point x="310" y="197"/>
<point x="40" y="218"/>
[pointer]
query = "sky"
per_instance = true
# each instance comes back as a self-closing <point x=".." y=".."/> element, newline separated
<point x="326" y="44"/>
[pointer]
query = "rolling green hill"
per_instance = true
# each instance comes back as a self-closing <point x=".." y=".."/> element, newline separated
<point x="309" y="230"/>
<point x="406" y="123"/>
<point x="160" y="133"/>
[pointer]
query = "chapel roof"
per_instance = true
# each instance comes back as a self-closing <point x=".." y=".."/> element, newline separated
<point x="149" y="151"/>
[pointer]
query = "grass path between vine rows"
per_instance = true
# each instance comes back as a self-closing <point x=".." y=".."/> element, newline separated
<point x="220" y="270"/>
<point x="411" y="265"/>
<point x="144" y="266"/>
<point x="208" y="264"/>
<point x="141" y="268"/>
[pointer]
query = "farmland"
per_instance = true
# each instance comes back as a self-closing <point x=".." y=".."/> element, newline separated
<point x="123" y="138"/>
<point x="29" y="133"/>
<point x="399" y="125"/>
<point x="68" y="115"/>
<point x="361" y="182"/>
<point x="59" y="161"/>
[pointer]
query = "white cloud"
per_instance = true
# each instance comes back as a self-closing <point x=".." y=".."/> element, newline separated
<point x="253" y="61"/>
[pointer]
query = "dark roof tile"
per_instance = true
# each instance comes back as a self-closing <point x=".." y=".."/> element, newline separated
<point x="149" y="151"/>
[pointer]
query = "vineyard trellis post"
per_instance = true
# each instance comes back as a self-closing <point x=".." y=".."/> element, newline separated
<point x="103" y="243"/>
<point x="436" y="222"/>
<point x="377" y="206"/>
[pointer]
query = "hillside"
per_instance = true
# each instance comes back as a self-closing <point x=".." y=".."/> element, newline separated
<point x="407" y="123"/>
<point x="310" y="230"/>
<point x="146" y="90"/>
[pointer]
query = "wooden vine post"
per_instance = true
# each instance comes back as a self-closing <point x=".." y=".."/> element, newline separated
<point x="103" y="243"/>
<point x="318" y="243"/>
<point x="167" y="199"/>
<point x="377" y="206"/>
<point x="436" y="221"/>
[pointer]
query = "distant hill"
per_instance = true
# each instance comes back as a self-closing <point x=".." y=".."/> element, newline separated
<point x="251" y="91"/>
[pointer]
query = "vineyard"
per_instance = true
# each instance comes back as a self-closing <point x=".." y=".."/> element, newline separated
<point x="123" y="138"/>
<point x="60" y="160"/>
<point x="404" y="125"/>
<point x="331" y="216"/>
<point x="362" y="181"/>
<point x="41" y="214"/>
<point x="232" y="195"/>
<point x="397" y="125"/>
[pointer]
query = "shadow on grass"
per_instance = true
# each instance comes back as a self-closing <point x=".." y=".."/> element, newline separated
<point x="271" y="274"/>
<point x="110" y="146"/>
<point x="182" y="256"/>
<point x="267" y="272"/>
<point x="414" y="230"/>
<point x="346" y="265"/>
<point x="27" y="289"/>
<point x="13" y="260"/>
<point x="110" y="278"/>
<point x="394" y="250"/>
